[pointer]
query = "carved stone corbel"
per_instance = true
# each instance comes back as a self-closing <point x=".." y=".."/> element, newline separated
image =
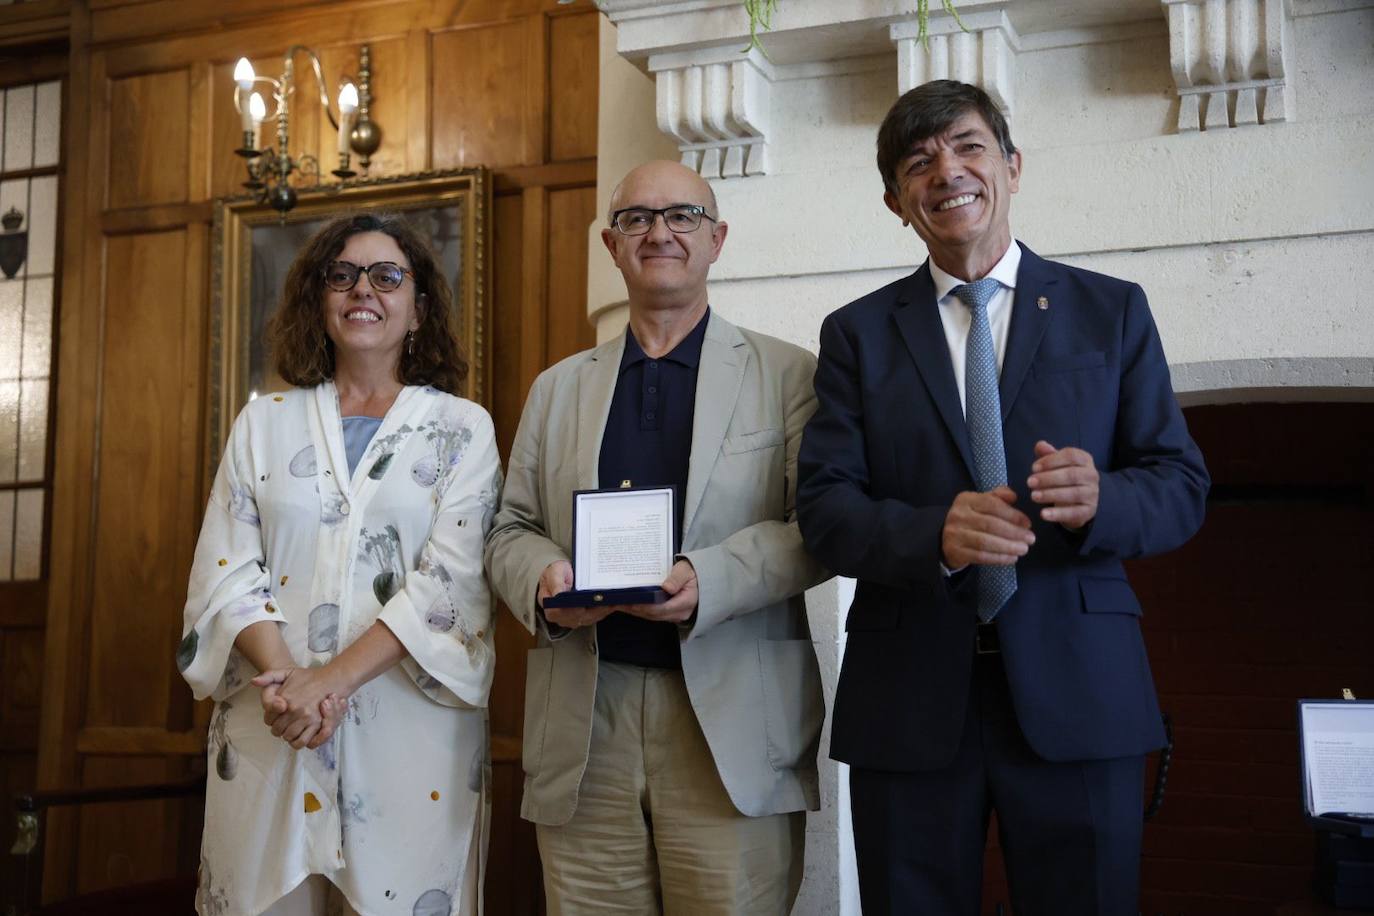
<point x="715" y="103"/>
<point x="985" y="55"/>
<point x="1230" y="62"/>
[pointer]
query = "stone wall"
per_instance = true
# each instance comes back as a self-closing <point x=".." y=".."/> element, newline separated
<point x="1248" y="239"/>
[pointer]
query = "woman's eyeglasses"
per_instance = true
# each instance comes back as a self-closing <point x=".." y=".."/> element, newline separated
<point x="385" y="276"/>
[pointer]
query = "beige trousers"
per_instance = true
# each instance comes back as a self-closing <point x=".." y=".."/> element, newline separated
<point x="654" y="830"/>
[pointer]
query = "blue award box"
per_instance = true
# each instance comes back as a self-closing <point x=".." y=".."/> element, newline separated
<point x="624" y="543"/>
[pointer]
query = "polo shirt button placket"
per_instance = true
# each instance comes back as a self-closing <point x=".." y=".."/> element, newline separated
<point x="649" y="396"/>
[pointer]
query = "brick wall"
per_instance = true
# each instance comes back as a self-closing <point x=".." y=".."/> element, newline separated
<point x="1267" y="604"/>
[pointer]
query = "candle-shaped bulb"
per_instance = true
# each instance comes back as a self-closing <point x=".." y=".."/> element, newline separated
<point x="243" y="74"/>
<point x="257" y="111"/>
<point x="348" y="105"/>
<point x="348" y="99"/>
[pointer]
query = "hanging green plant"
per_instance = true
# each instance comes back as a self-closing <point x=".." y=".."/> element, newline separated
<point x="923" y="20"/>
<point x="761" y="18"/>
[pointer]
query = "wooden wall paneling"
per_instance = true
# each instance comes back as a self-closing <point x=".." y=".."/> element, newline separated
<point x="512" y="857"/>
<point x="144" y="535"/>
<point x="138" y="562"/>
<point x="391" y="106"/>
<point x="152" y="219"/>
<point x="190" y="486"/>
<point x="507" y="290"/>
<point x="111" y="854"/>
<point x="514" y="885"/>
<point x="518" y="305"/>
<point x="75" y="480"/>
<point x="533" y="353"/>
<point x="31" y="65"/>
<point x="222" y="33"/>
<point x="34" y="22"/>
<point x="506" y="706"/>
<point x="567" y="330"/>
<point x="124" y="740"/>
<point x="21" y="677"/>
<point x="574" y="63"/>
<point x="419" y="102"/>
<point x="552" y="175"/>
<point x="198" y="113"/>
<point x="342" y="18"/>
<point x="481" y="89"/>
<point x="24" y="604"/>
<point x="153" y="108"/>
<point x="537" y="91"/>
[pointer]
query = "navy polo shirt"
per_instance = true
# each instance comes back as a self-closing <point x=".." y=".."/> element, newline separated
<point x="648" y="441"/>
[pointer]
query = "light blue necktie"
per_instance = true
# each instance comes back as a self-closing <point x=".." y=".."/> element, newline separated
<point x="983" y="415"/>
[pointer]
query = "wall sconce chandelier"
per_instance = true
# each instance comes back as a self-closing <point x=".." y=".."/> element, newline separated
<point x="270" y="170"/>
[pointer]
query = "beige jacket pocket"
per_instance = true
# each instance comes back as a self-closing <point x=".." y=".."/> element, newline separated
<point x="793" y="706"/>
<point x="752" y="442"/>
<point x="538" y="675"/>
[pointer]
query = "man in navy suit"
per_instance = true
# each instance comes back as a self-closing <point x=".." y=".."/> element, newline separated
<point x="995" y="434"/>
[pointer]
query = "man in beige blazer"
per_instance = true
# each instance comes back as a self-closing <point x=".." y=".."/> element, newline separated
<point x="669" y="750"/>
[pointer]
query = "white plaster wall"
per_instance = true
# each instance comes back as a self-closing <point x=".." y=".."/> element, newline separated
<point x="830" y="886"/>
<point x="626" y="136"/>
<point x="1228" y="230"/>
<point x="1253" y="243"/>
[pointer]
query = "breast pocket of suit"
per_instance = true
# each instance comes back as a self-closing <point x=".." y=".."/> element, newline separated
<point x="1072" y="395"/>
<point x="538" y="682"/>
<point x="793" y="704"/>
<point x="752" y="442"/>
<point x="750" y="473"/>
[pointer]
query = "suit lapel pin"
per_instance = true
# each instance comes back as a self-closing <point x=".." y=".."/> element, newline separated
<point x="1043" y="303"/>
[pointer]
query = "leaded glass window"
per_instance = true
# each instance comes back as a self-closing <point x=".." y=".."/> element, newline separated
<point x="30" y="120"/>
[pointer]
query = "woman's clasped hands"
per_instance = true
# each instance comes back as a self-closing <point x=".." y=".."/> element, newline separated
<point x="302" y="706"/>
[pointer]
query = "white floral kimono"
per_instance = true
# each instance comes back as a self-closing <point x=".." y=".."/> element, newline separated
<point x="393" y="809"/>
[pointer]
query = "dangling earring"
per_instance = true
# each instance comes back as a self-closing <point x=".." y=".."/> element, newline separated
<point x="410" y="343"/>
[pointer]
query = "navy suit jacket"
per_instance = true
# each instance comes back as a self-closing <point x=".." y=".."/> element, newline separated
<point x="887" y="451"/>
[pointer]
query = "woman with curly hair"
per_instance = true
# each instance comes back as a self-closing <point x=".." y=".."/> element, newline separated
<point x="337" y="610"/>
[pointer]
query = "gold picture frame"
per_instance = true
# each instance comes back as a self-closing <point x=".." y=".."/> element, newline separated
<point x="254" y="246"/>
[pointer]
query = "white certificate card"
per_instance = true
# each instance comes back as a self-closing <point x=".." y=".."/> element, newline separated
<point x="1338" y="756"/>
<point x="624" y="538"/>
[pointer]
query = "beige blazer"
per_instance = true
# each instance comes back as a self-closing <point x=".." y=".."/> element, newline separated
<point x="748" y="659"/>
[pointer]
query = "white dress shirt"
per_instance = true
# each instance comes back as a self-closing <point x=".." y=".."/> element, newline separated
<point x="956" y="317"/>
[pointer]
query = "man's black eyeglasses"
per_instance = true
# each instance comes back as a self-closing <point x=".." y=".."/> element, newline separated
<point x="341" y="276"/>
<point x="678" y="218"/>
